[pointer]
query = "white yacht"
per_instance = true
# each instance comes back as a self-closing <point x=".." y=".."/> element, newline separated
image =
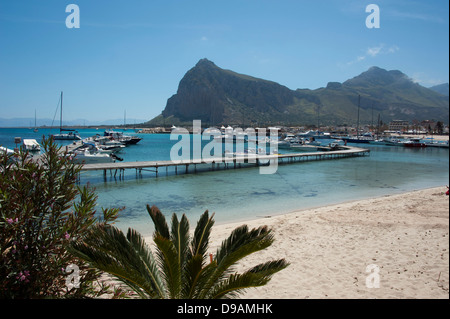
<point x="31" y="145"/>
<point x="89" y="154"/>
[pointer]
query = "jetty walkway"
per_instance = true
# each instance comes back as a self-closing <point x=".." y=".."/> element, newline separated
<point x="235" y="162"/>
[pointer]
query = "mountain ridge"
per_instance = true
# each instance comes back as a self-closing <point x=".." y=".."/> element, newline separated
<point x="219" y="96"/>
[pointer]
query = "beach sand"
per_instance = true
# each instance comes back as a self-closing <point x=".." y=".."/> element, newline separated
<point x="405" y="236"/>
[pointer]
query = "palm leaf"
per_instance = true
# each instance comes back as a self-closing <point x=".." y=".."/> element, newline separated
<point x="168" y="262"/>
<point x="257" y="276"/>
<point x="239" y="244"/>
<point x="107" y="249"/>
<point x="179" y="268"/>
<point x="148" y="261"/>
<point x="196" y="276"/>
<point x="200" y="241"/>
<point x="180" y="237"/>
<point x="236" y="284"/>
<point x="159" y="220"/>
<point x="269" y="268"/>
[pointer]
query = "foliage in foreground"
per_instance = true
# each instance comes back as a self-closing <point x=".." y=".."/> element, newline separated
<point x="41" y="211"/>
<point x="180" y="267"/>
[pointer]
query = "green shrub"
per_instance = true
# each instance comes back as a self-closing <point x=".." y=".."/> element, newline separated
<point x="41" y="211"/>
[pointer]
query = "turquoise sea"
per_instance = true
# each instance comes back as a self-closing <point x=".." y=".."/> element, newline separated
<point x="244" y="194"/>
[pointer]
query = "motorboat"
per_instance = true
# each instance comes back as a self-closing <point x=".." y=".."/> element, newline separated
<point x="365" y="138"/>
<point x="6" y="150"/>
<point x="31" y="145"/>
<point x="119" y="136"/>
<point x="108" y="144"/>
<point x="395" y="141"/>
<point x="414" y="142"/>
<point x="432" y="143"/>
<point x="85" y="157"/>
<point x="378" y="142"/>
<point x="89" y="153"/>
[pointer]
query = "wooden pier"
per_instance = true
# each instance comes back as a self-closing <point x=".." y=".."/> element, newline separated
<point x="191" y="166"/>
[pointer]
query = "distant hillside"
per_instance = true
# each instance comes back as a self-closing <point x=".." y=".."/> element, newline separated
<point x="217" y="96"/>
<point x="441" y="88"/>
<point x="29" y="122"/>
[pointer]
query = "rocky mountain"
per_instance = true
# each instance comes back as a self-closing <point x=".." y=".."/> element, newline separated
<point x="218" y="96"/>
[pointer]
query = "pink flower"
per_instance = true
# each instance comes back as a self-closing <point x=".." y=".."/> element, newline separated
<point x="67" y="236"/>
<point x="23" y="276"/>
<point x="10" y="220"/>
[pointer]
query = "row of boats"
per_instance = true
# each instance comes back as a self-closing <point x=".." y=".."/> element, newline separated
<point x="398" y="141"/>
<point x="95" y="149"/>
<point x="102" y="149"/>
<point x="315" y="139"/>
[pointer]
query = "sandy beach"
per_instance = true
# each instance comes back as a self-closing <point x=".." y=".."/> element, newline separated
<point x="404" y="237"/>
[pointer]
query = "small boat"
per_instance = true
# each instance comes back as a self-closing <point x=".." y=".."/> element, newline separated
<point x="378" y="142"/>
<point x="88" y="153"/>
<point x="106" y="143"/>
<point x="414" y="142"/>
<point x="6" y="150"/>
<point x="432" y="143"/>
<point x="358" y="139"/>
<point x="395" y="141"/>
<point x="71" y="135"/>
<point x="85" y="157"/>
<point x="31" y="145"/>
<point x="119" y="136"/>
<point x="365" y="138"/>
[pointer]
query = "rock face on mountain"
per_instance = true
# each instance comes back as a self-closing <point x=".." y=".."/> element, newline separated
<point x="217" y="96"/>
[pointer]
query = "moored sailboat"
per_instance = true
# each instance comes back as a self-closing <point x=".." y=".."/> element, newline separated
<point x="70" y="135"/>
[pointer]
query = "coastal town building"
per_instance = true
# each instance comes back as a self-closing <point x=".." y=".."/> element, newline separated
<point x="398" y="125"/>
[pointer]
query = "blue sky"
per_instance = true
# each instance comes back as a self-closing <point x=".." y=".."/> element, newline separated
<point x="130" y="55"/>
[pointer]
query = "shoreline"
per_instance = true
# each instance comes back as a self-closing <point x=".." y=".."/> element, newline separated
<point x="315" y="207"/>
<point x="405" y="235"/>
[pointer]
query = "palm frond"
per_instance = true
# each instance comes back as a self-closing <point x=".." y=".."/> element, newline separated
<point x="179" y="267"/>
<point x="107" y="249"/>
<point x="257" y="276"/>
<point x="241" y="236"/>
<point x="196" y="276"/>
<point x="168" y="262"/>
<point x="180" y="237"/>
<point x="239" y="244"/>
<point x="200" y="241"/>
<point x="147" y="261"/>
<point x="159" y="220"/>
<point x="236" y="284"/>
<point x="269" y="268"/>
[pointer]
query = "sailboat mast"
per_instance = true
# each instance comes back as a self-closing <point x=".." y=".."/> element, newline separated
<point x="378" y="126"/>
<point x="60" y="115"/>
<point x="357" y="125"/>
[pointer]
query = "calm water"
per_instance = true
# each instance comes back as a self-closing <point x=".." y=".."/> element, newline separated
<point x="244" y="194"/>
